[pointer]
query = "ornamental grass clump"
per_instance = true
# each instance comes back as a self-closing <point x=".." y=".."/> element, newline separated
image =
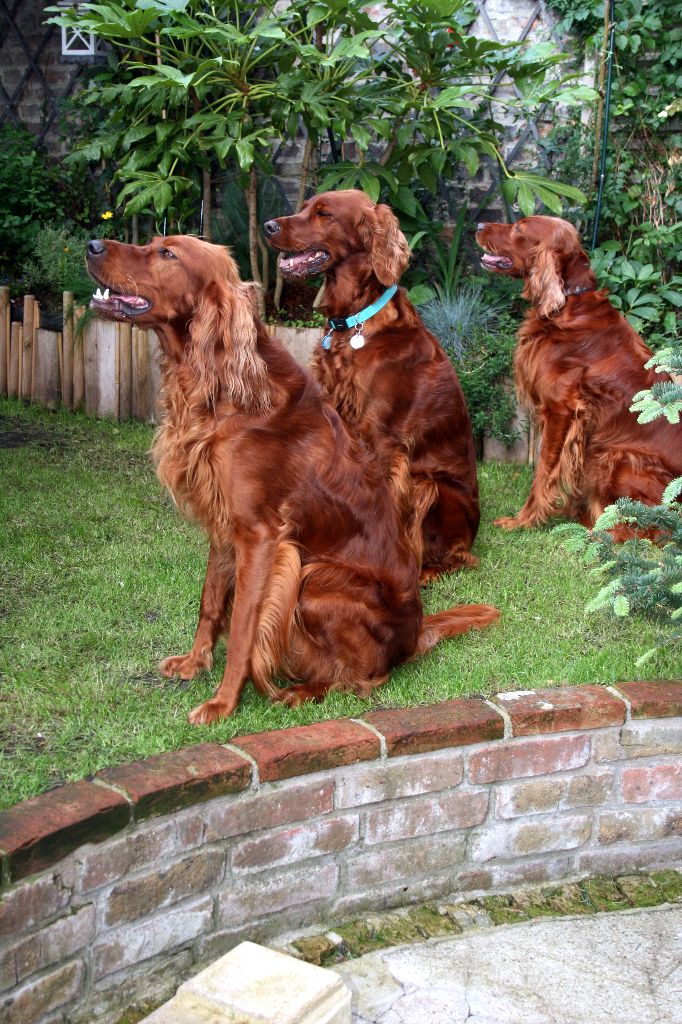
<point x="457" y="320"/>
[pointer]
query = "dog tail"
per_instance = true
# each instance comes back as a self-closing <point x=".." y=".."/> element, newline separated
<point x="459" y="619"/>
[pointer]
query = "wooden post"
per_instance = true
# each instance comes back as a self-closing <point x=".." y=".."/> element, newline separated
<point x="14" y="369"/>
<point x="153" y="376"/>
<point x="26" y="354"/>
<point x="67" y="351"/>
<point x="36" y="327"/>
<point x="4" y="339"/>
<point x="139" y="393"/>
<point x="78" y="391"/>
<point x="45" y="377"/>
<point x="125" y="349"/>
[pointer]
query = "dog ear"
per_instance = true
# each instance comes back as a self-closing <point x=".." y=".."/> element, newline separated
<point x="380" y="233"/>
<point x="223" y="351"/>
<point x="544" y="285"/>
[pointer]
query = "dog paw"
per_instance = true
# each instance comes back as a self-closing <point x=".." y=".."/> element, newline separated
<point x="510" y="523"/>
<point x="186" y="666"/>
<point x="208" y="712"/>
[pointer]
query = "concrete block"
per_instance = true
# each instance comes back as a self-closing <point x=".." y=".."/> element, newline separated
<point x="256" y="985"/>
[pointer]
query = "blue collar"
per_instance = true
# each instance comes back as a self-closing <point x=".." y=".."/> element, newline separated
<point x="341" y="323"/>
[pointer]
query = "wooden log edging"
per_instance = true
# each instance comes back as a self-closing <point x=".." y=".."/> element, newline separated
<point x="114" y="887"/>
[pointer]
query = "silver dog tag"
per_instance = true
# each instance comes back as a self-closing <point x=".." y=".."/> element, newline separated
<point x="357" y="341"/>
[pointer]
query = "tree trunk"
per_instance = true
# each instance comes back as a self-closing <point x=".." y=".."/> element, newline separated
<point x="251" y="194"/>
<point x="206" y="203"/>
<point x="305" y="168"/>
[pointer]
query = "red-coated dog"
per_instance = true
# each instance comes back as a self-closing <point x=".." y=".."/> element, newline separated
<point x="577" y="366"/>
<point x="398" y="391"/>
<point x="309" y="565"/>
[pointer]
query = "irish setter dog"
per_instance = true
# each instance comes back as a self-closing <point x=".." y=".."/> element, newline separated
<point x="308" y="563"/>
<point x="399" y="392"/>
<point x="577" y="366"/>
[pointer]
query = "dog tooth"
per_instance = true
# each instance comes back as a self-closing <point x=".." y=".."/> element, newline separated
<point x="98" y="294"/>
<point x="106" y="293"/>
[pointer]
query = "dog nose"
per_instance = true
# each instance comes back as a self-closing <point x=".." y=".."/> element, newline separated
<point x="96" y="247"/>
<point x="271" y="227"/>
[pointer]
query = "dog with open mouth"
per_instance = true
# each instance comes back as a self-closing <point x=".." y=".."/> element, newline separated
<point x="384" y="372"/>
<point x="577" y="366"/>
<point x="309" y="568"/>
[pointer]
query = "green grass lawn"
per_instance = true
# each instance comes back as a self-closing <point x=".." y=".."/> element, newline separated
<point x="100" y="579"/>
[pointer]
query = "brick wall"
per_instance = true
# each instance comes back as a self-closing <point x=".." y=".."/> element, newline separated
<point x="115" y="889"/>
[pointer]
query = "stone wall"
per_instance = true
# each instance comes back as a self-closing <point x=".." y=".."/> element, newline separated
<point x="117" y="888"/>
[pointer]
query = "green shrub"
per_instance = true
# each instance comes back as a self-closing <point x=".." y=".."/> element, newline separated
<point x="479" y="339"/>
<point x="56" y="265"/>
<point x="30" y="195"/>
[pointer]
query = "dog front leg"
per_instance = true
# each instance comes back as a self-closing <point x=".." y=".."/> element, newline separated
<point x="255" y="552"/>
<point x="216" y="598"/>
<point x="541" y="502"/>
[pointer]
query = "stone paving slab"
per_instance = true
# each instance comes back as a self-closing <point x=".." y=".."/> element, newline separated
<point x="624" y="966"/>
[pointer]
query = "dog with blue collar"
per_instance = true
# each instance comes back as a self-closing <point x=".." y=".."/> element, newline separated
<point x="402" y="397"/>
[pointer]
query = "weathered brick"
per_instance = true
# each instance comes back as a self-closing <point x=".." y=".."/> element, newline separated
<point x="628" y="857"/>
<point x="658" y="699"/>
<point x="137" y="897"/>
<point x="38" y="997"/>
<point x="518" y="798"/>
<point x="655" y="782"/>
<point x="39" y="832"/>
<point x="366" y="784"/>
<point x="590" y="790"/>
<point x="52" y="944"/>
<point x="131" y="944"/>
<point x="296" y="844"/>
<point x="302" y="749"/>
<point x="258" y="896"/>
<point x="137" y="988"/>
<point x="427" y="855"/>
<point x="424" y="816"/>
<point x="148" y="844"/>
<point x="280" y="804"/>
<point x="520" y="838"/>
<point x="527" y="872"/>
<point x="30" y="903"/>
<point x="606" y="747"/>
<point x="391" y="892"/>
<point x="524" y="758"/>
<point x="647" y="739"/>
<point x="452" y="723"/>
<point x="643" y="823"/>
<point x="561" y="709"/>
<point x="164" y="783"/>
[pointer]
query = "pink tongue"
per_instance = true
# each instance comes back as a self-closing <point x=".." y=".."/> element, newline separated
<point x="130" y="300"/>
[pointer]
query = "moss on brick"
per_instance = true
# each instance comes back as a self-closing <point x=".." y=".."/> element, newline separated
<point x="431" y="920"/>
<point x="604" y="894"/>
<point x="640" y="890"/>
<point x="670" y="883"/>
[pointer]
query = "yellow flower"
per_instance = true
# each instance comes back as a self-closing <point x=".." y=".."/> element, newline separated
<point x="66" y="248"/>
<point x="107" y="215"/>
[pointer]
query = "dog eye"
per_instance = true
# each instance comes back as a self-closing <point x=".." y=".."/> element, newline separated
<point x="323" y="213"/>
<point x="167" y="254"/>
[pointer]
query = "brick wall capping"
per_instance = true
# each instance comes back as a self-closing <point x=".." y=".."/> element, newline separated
<point x="561" y="709"/>
<point x="661" y="698"/>
<point x="434" y="726"/>
<point x="284" y="753"/>
<point x="41" y="831"/>
<point x="170" y="781"/>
